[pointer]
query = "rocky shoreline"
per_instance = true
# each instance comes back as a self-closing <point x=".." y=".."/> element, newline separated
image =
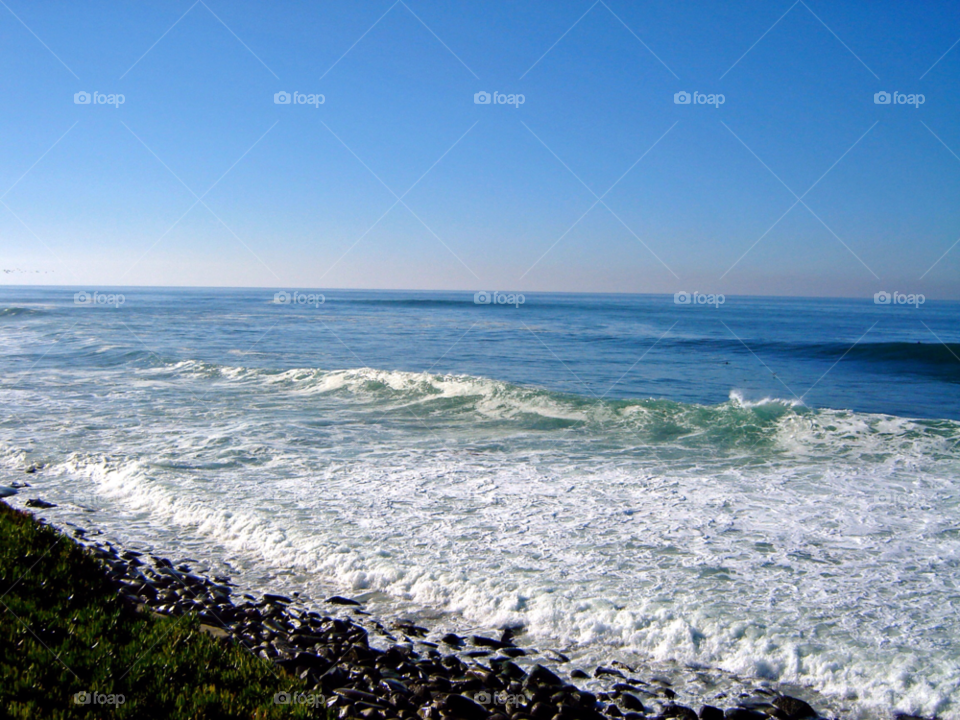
<point x="359" y="668"/>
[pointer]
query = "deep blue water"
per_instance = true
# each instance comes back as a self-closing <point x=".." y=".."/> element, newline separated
<point x="835" y="353"/>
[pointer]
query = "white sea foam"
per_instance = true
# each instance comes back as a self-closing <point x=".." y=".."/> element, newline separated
<point x="759" y="537"/>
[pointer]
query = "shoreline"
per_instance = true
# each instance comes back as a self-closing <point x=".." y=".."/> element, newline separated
<point x="359" y="666"/>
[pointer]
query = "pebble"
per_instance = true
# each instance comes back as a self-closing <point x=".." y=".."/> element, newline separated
<point x="334" y="656"/>
<point x="337" y="600"/>
<point x="38" y="503"/>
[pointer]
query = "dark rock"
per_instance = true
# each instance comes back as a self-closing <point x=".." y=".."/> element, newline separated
<point x="276" y="599"/>
<point x="506" y="637"/>
<point x="794" y="708"/>
<point x="632" y="702"/>
<point x="613" y="711"/>
<point x="338" y="600"/>
<point x="481" y="641"/>
<point x="452" y="640"/>
<point x="38" y="503"/>
<point x="539" y="675"/>
<point x="634" y="716"/>
<point x="578" y="674"/>
<point x="508" y="669"/>
<point x="678" y="711"/>
<point x="741" y="713"/>
<point x="359" y="696"/>
<point x="709" y="712"/>
<point x="513" y="652"/>
<point x="461" y="706"/>
<point x="542" y="711"/>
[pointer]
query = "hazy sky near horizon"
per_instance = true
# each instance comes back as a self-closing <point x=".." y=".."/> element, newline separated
<point x="799" y="183"/>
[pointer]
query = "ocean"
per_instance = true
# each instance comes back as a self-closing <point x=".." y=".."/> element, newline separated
<point x="762" y="488"/>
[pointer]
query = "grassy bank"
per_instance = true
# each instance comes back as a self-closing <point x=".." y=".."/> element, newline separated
<point x="70" y="649"/>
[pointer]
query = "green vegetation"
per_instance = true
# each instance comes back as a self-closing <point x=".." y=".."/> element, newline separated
<point x="63" y="631"/>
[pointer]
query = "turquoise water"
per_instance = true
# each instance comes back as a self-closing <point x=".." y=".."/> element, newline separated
<point x="767" y="487"/>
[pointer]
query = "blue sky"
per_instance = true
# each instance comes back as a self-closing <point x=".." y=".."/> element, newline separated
<point x="694" y="197"/>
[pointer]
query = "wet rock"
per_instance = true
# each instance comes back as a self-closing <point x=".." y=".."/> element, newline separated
<point x="681" y="712"/>
<point x="509" y="633"/>
<point x="461" y="706"/>
<point x="794" y="708"/>
<point x="338" y="600"/>
<point x="452" y="640"/>
<point x="481" y="641"/>
<point x="742" y="713"/>
<point x="508" y="669"/>
<point x="540" y="676"/>
<point x="709" y="712"/>
<point x="542" y="711"/>
<point x="632" y="702"/>
<point x="38" y="503"/>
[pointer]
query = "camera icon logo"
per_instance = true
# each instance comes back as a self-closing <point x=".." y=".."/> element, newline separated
<point x="881" y="298"/>
<point x="82" y="698"/>
<point x="481" y="98"/>
<point x="81" y="98"/>
<point x="482" y="298"/>
<point x="82" y="298"/>
<point x="681" y="298"/>
<point x="281" y="298"/>
<point x="681" y="98"/>
<point x="282" y="698"/>
<point x="482" y="698"/>
<point x="281" y="98"/>
<point x="881" y="98"/>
